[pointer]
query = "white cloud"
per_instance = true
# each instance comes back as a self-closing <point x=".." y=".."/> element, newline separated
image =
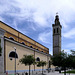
<point x="40" y="20"/>
<point x="71" y="45"/>
<point x="64" y="24"/>
<point x="41" y="10"/>
<point x="45" y="37"/>
<point x="32" y="27"/>
<point x="1" y="19"/>
<point x="38" y="11"/>
<point x="70" y="33"/>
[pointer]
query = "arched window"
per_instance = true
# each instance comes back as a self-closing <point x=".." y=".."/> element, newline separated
<point x="23" y="43"/>
<point x="37" y="59"/>
<point x="11" y="38"/>
<point x="31" y="46"/>
<point x="57" y="30"/>
<point x="37" y="49"/>
<point x="60" y="31"/>
<point x="41" y="51"/>
<point x="54" y="30"/>
<point x="13" y="54"/>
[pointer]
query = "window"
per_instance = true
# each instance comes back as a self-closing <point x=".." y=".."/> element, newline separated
<point x="54" y="30"/>
<point x="31" y="47"/>
<point x="60" y="31"/>
<point x="57" y="30"/>
<point x="11" y="38"/>
<point x="12" y="54"/>
<point x="37" y="49"/>
<point x="23" y="43"/>
<point x="37" y="59"/>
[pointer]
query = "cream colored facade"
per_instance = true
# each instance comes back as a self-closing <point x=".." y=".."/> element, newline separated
<point x="8" y="46"/>
<point x="21" y="50"/>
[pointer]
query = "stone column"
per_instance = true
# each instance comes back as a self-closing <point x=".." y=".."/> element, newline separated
<point x="2" y="54"/>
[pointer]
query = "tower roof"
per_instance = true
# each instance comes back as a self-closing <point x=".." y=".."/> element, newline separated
<point x="57" y="19"/>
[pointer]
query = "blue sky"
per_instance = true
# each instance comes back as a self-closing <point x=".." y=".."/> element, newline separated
<point x="34" y="18"/>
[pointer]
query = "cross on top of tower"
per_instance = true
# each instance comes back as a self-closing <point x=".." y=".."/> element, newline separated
<point x="57" y="17"/>
<point x="56" y="13"/>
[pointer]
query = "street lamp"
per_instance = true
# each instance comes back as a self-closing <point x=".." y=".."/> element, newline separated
<point x="15" y="60"/>
<point x="14" y="55"/>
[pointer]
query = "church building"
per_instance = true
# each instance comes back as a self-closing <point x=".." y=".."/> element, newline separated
<point x="11" y="40"/>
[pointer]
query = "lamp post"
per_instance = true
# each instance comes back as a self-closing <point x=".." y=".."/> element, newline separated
<point x="15" y="60"/>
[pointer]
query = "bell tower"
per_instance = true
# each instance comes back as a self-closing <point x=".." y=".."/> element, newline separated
<point x="56" y="36"/>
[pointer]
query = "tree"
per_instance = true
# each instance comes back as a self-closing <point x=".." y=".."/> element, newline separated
<point x="72" y="52"/>
<point x="27" y="60"/>
<point x="41" y="64"/>
<point x="50" y="63"/>
<point x="64" y="60"/>
<point x="72" y="58"/>
<point x="60" y="60"/>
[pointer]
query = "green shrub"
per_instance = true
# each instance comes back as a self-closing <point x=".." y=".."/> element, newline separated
<point x="72" y="71"/>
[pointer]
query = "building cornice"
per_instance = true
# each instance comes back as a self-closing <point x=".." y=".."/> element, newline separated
<point x="15" y="42"/>
<point x="27" y="41"/>
<point x="54" y="25"/>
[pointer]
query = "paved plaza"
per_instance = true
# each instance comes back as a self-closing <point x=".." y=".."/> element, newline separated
<point x="44" y="73"/>
<point x="57" y="73"/>
<point x="54" y="73"/>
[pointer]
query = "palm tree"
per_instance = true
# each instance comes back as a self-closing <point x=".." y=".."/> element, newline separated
<point x="41" y="64"/>
<point x="27" y="60"/>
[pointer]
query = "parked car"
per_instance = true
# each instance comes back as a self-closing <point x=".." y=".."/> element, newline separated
<point x="60" y="68"/>
<point x="57" y="68"/>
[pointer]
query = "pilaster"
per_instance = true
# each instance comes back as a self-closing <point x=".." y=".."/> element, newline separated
<point x="2" y="54"/>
